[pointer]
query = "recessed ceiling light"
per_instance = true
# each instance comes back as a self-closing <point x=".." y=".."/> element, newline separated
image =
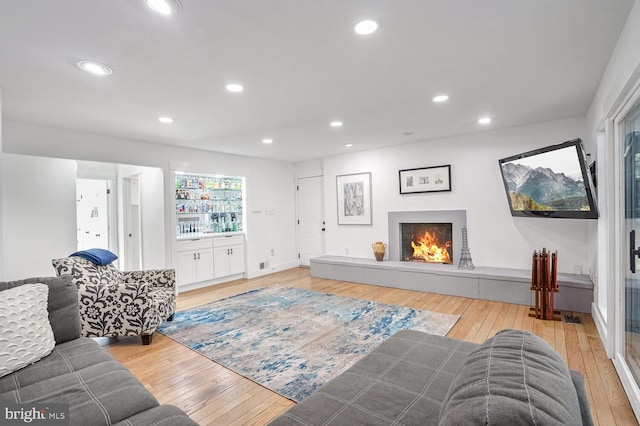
<point x="95" y="68"/>
<point x="267" y="141"/>
<point x="440" y="98"/>
<point x="164" y="7"/>
<point x="366" y="27"/>
<point x="348" y="145"/>
<point x="336" y="124"/>
<point x="235" y="87"/>
<point x="165" y="120"/>
<point x="484" y="120"/>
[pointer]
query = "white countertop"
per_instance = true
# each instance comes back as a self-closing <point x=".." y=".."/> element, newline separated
<point x="199" y="235"/>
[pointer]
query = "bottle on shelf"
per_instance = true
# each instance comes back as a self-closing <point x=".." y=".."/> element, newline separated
<point x="217" y="202"/>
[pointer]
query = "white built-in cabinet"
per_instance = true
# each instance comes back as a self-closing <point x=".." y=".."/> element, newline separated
<point x="195" y="261"/>
<point x="209" y="258"/>
<point x="228" y="255"/>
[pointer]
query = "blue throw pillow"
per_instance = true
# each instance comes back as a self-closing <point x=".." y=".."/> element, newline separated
<point x="97" y="256"/>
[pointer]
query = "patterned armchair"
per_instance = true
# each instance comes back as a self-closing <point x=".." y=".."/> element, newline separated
<point x="114" y="303"/>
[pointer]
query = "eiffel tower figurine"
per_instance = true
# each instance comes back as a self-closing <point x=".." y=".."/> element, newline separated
<point x="465" y="255"/>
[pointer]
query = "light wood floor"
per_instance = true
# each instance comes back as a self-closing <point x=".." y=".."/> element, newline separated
<point x="213" y="395"/>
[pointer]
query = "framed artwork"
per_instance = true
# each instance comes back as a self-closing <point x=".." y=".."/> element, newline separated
<point x="425" y="179"/>
<point x="354" y="199"/>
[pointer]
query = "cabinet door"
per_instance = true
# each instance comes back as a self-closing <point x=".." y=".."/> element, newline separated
<point x="205" y="264"/>
<point x="236" y="260"/>
<point x="186" y="267"/>
<point x="221" y="261"/>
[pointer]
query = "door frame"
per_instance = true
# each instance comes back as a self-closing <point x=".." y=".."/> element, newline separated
<point x="298" y="241"/>
<point x="132" y="224"/>
<point x="112" y="200"/>
<point x="619" y="262"/>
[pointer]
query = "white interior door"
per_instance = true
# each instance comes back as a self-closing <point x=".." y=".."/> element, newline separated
<point x="92" y="214"/>
<point x="311" y="225"/>
<point x="132" y="224"/>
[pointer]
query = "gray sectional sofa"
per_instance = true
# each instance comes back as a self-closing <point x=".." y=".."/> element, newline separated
<point x="81" y="375"/>
<point x="414" y="378"/>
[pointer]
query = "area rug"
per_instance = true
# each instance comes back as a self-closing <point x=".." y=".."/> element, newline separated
<point x="292" y="340"/>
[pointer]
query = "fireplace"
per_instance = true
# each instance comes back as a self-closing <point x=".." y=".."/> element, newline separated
<point x="446" y="225"/>
<point x="427" y="242"/>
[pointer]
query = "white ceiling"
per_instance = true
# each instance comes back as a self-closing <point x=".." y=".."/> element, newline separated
<point x="521" y="62"/>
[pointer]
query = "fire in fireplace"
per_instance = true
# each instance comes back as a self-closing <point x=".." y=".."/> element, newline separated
<point x="427" y="242"/>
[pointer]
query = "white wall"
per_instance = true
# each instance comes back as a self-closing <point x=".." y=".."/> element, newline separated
<point x="495" y="237"/>
<point x="621" y="71"/>
<point x="270" y="216"/>
<point x="617" y="85"/>
<point x="309" y="168"/>
<point x="39" y="214"/>
<point x="269" y="219"/>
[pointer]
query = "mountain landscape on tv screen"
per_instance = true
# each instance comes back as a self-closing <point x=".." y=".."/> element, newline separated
<point x="543" y="189"/>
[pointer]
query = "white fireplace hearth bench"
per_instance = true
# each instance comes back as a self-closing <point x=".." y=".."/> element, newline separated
<point x="487" y="283"/>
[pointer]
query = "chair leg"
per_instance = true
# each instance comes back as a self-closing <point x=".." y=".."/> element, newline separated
<point x="146" y="339"/>
<point x="170" y="318"/>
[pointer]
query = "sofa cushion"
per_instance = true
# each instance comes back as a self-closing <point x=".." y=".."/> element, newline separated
<point x="99" y="390"/>
<point x="162" y="415"/>
<point x="25" y="331"/>
<point x="67" y="357"/>
<point x="513" y="378"/>
<point x="62" y="305"/>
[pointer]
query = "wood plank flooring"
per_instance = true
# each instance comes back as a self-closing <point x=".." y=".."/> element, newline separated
<point x="214" y="395"/>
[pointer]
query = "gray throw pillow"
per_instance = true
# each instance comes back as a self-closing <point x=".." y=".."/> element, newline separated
<point x="514" y="378"/>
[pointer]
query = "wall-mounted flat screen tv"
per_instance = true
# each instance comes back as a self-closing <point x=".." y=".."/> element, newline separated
<point x="550" y="182"/>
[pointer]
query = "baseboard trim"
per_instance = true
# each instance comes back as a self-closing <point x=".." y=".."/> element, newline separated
<point x="629" y="385"/>
<point x="601" y="326"/>
<point x="276" y="268"/>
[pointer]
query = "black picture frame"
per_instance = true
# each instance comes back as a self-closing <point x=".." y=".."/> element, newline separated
<point x="425" y="179"/>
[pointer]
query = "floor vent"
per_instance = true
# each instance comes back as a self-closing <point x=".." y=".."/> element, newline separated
<point x="572" y="319"/>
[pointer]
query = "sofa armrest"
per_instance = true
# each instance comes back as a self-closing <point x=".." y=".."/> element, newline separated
<point x="514" y="378"/>
<point x="583" y="399"/>
<point x="161" y="278"/>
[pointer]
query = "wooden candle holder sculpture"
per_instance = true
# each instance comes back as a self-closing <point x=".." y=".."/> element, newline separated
<point x="544" y="270"/>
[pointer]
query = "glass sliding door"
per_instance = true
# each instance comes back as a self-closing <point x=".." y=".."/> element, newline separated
<point x="631" y="161"/>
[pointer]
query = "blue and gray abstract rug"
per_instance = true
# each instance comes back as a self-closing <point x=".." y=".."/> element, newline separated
<point x="292" y="340"/>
